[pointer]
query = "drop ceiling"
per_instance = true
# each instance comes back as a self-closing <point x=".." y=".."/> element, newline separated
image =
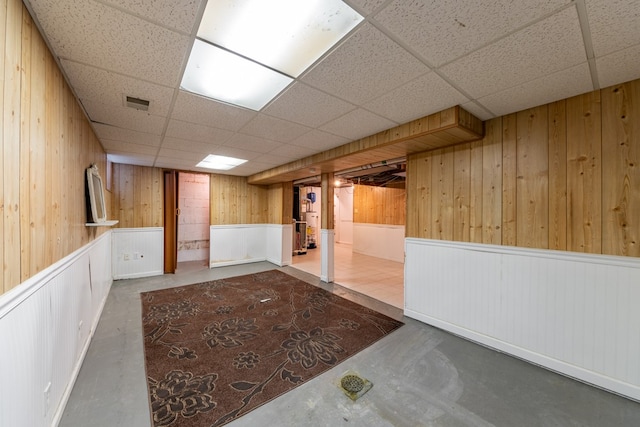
<point x="406" y="60"/>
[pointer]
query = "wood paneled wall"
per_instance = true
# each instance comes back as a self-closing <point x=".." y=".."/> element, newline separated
<point x="137" y="196"/>
<point x="45" y="145"/>
<point x="280" y="203"/>
<point x="138" y="199"/>
<point x="379" y="205"/>
<point x="563" y="176"/>
<point x="234" y="201"/>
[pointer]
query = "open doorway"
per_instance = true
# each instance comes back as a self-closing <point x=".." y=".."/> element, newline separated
<point x="193" y="220"/>
<point x="186" y="233"/>
<point x="380" y="277"/>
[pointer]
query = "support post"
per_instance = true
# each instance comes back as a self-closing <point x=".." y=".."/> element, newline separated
<point x="327" y="232"/>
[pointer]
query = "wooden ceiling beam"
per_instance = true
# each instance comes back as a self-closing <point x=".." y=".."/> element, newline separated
<point x="448" y="127"/>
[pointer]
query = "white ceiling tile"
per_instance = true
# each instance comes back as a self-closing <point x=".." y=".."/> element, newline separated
<point x="197" y="109"/>
<point x="518" y="54"/>
<point x="358" y="124"/>
<point x="238" y="153"/>
<point x="187" y="145"/>
<point x="176" y="14"/>
<point x="318" y="140"/>
<point x="272" y="160"/>
<point x="619" y="67"/>
<point x="181" y="154"/>
<point x="308" y="106"/>
<point x="614" y="24"/>
<point x="292" y="152"/>
<point x="563" y="84"/>
<point x="131" y="159"/>
<point x="247" y="169"/>
<point x="264" y="162"/>
<point x="111" y="146"/>
<point x="126" y="135"/>
<point x="275" y="129"/>
<point x="361" y="68"/>
<point x="104" y="37"/>
<point x="526" y="55"/>
<point x="176" y="163"/>
<point x="477" y="110"/>
<point x="425" y="95"/>
<point x="366" y="6"/>
<point x="124" y="117"/>
<point x="252" y="143"/>
<point x="196" y="132"/>
<point x="445" y="30"/>
<point x="107" y="87"/>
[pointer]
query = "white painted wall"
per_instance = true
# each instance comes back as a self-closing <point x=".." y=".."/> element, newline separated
<point x="379" y="240"/>
<point x="246" y="243"/>
<point x="574" y="313"/>
<point x="46" y="324"/>
<point x="343" y="204"/>
<point x="137" y="252"/>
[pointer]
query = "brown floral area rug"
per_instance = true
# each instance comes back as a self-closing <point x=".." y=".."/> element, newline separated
<point x="216" y="350"/>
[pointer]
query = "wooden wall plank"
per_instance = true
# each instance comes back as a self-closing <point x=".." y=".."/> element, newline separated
<point x="419" y="195"/>
<point x="44" y="143"/>
<point x="557" y="175"/>
<point x="287" y="202"/>
<point x="327" y="219"/>
<point x="492" y="182"/>
<point x="532" y="178"/>
<point x="461" y="192"/>
<point x="37" y="156"/>
<point x="509" y="178"/>
<point x="25" y="148"/>
<point x="276" y="201"/>
<point x="137" y="196"/>
<point x="442" y="186"/>
<point x="475" y="192"/>
<point x="234" y="201"/>
<point x="126" y="196"/>
<point x="584" y="173"/>
<point x="53" y="189"/>
<point x="379" y="205"/>
<point x="3" y="25"/>
<point x="12" y="146"/>
<point x="621" y="164"/>
<point x="157" y="188"/>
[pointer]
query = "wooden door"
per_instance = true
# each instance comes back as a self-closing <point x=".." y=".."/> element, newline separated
<point x="170" y="221"/>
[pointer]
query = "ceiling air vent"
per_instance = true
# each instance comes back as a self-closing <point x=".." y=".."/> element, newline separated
<point x="137" y="103"/>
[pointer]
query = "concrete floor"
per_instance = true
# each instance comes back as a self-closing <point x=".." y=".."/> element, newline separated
<point x="422" y="376"/>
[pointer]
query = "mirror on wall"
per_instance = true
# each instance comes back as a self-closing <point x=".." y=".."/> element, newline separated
<point x="96" y="210"/>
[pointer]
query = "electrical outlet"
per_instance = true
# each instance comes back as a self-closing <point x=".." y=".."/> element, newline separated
<point x="127" y="257"/>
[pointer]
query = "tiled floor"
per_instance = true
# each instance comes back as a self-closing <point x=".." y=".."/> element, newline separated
<point x="378" y="278"/>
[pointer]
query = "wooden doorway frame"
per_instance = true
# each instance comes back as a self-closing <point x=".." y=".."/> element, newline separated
<point x="170" y="221"/>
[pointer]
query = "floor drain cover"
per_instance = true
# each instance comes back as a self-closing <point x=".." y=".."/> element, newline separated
<point x="354" y="386"/>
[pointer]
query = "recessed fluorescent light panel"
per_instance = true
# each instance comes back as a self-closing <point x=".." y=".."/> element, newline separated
<point x="216" y="73"/>
<point x="276" y="39"/>
<point x="220" y="162"/>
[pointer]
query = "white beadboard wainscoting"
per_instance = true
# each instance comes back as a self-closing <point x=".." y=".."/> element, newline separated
<point x="574" y="313"/>
<point x="138" y="252"/>
<point x="245" y="243"/>
<point x="46" y="324"/>
<point x="379" y="240"/>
